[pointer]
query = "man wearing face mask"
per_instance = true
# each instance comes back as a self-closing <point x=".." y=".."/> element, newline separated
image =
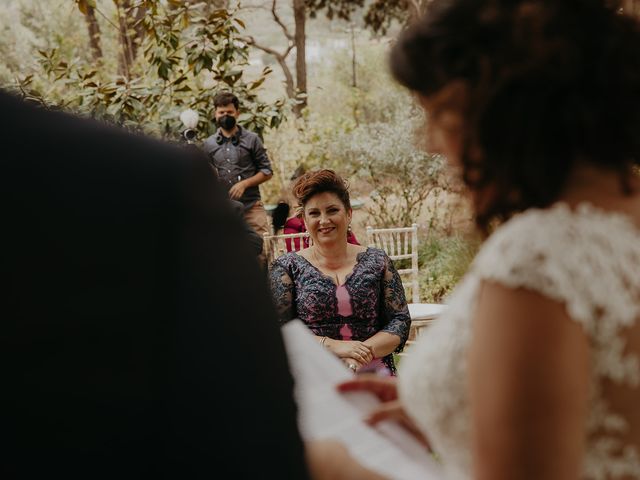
<point x="240" y="160"/>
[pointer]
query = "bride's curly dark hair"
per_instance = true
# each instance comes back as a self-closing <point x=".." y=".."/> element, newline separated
<point x="543" y="84"/>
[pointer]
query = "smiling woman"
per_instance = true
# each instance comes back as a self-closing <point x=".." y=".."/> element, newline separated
<point x="326" y="217"/>
<point x="350" y="296"/>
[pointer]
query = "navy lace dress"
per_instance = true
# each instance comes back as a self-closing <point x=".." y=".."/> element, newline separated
<point x="300" y="290"/>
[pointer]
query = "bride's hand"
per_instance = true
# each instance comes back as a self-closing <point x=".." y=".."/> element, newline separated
<point x="385" y="388"/>
<point x="394" y="411"/>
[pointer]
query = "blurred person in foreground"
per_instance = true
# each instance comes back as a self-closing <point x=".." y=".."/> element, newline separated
<point x="533" y="372"/>
<point x="256" y="241"/>
<point x="350" y="296"/>
<point x="127" y="350"/>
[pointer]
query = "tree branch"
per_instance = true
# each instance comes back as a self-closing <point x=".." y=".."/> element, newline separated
<point x="251" y="41"/>
<point x="282" y="61"/>
<point x="280" y="22"/>
<point x="107" y="19"/>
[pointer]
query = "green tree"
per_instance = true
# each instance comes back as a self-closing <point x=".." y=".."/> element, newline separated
<point x="382" y="13"/>
<point x="378" y="14"/>
<point x="296" y="86"/>
<point x="190" y="52"/>
<point x="296" y="38"/>
<point x="400" y="177"/>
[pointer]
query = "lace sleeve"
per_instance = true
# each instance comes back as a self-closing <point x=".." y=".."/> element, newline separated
<point x="282" y="291"/>
<point x="395" y="309"/>
<point x="571" y="258"/>
<point x="587" y="261"/>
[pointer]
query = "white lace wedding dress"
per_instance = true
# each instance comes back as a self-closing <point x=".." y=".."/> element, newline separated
<point x="585" y="258"/>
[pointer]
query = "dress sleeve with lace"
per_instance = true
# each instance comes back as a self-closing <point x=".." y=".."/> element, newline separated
<point x="584" y="258"/>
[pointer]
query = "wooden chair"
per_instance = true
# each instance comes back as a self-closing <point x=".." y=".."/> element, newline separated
<point x="401" y="245"/>
<point x="276" y="245"/>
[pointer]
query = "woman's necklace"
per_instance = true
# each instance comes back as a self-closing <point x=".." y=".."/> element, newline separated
<point x="333" y="274"/>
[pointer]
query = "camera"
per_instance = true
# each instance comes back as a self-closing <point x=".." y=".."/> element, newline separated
<point x="189" y="119"/>
<point x="189" y="135"/>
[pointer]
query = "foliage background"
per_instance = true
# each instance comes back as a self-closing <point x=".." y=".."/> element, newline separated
<point x="358" y="121"/>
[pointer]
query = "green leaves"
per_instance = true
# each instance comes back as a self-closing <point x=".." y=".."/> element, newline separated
<point x="187" y="55"/>
<point x="257" y="83"/>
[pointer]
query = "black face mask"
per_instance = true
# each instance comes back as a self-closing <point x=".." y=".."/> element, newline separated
<point x="227" y="122"/>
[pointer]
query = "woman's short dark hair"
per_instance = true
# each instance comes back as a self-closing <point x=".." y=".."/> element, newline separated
<point x="321" y="181"/>
<point x="546" y="84"/>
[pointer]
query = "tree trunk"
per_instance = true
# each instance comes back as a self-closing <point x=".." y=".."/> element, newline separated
<point x="94" y="33"/>
<point x="354" y="63"/>
<point x="138" y="30"/>
<point x="130" y="35"/>
<point x="124" y="56"/>
<point x="288" y="78"/>
<point x="299" y="14"/>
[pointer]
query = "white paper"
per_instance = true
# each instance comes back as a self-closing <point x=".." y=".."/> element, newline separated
<point x="326" y="413"/>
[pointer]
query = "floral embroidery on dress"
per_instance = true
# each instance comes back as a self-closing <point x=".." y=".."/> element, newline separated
<point x="587" y="259"/>
<point x="378" y="301"/>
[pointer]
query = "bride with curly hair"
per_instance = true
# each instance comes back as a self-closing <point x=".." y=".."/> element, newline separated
<point x="534" y="370"/>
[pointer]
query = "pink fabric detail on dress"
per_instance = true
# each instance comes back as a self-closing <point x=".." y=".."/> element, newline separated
<point x="344" y="302"/>
<point x="345" y="310"/>
<point x="345" y="332"/>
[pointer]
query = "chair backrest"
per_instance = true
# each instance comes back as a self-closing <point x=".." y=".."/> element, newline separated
<point x="276" y="245"/>
<point x="401" y="245"/>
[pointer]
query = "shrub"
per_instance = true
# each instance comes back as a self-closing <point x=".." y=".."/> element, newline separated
<point x="443" y="262"/>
